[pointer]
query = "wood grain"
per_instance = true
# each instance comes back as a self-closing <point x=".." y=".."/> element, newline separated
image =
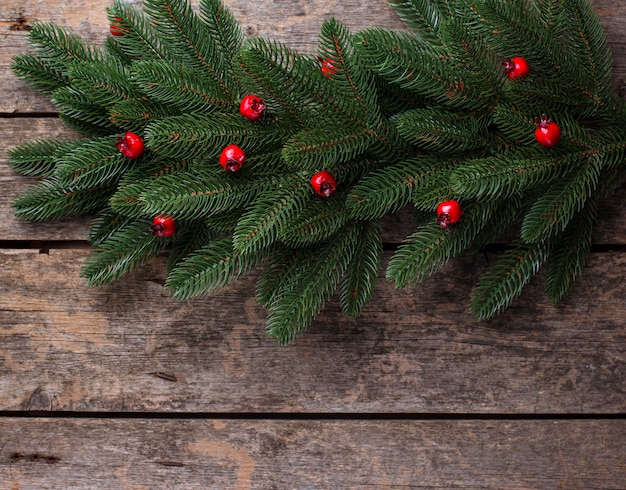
<point x="277" y="454"/>
<point x="128" y="347"/>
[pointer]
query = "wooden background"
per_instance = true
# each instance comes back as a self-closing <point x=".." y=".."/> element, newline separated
<point x="121" y="387"/>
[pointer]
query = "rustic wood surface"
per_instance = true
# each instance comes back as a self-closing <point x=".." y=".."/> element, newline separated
<point x="220" y="454"/>
<point x="144" y="392"/>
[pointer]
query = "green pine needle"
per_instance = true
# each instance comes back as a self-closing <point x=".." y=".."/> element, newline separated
<point x="260" y="225"/>
<point x="442" y="131"/>
<point x="313" y="278"/>
<point x="37" y="158"/>
<point x="552" y="212"/>
<point x="122" y="252"/>
<point x="361" y="276"/>
<point x="51" y="200"/>
<point x="502" y="284"/>
<point x="569" y="255"/>
<point x="321" y="147"/>
<point x="209" y="269"/>
<point x="431" y="247"/>
<point x="316" y="222"/>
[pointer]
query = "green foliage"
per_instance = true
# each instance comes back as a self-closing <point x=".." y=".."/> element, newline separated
<point x="307" y="282"/>
<point x="569" y="255"/>
<point x="51" y="199"/>
<point x="441" y="131"/>
<point x="400" y="118"/>
<point x="432" y="246"/>
<point x="361" y="275"/>
<point x="124" y="250"/>
<point x="37" y="157"/>
<point x="210" y="268"/>
<point x="503" y="282"/>
<point x="260" y="224"/>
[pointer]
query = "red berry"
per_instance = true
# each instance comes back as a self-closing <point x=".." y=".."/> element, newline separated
<point x="516" y="68"/>
<point x="323" y="183"/>
<point x="163" y="226"/>
<point x="130" y="145"/>
<point x="328" y="67"/>
<point x="448" y="213"/>
<point x="251" y="107"/>
<point x="232" y="158"/>
<point x="115" y="27"/>
<point x="547" y="132"/>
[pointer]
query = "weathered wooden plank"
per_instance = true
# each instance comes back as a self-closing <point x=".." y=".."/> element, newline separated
<point x="128" y="347"/>
<point x="184" y="454"/>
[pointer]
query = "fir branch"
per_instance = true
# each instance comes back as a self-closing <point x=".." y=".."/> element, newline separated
<point x="211" y="268"/>
<point x="517" y="126"/>
<point x="51" y="200"/>
<point x="140" y="40"/>
<point x="135" y="115"/>
<point x="190" y="41"/>
<point x="324" y="146"/>
<point x="508" y="174"/>
<point x="423" y="17"/>
<point x="281" y="77"/>
<point x="502" y="284"/>
<point x="104" y="84"/>
<point x="123" y="251"/>
<point x="513" y="27"/>
<point x="92" y="164"/>
<point x="106" y="225"/>
<point x="59" y="48"/>
<point x="38" y="157"/>
<point x="316" y="275"/>
<point x="43" y="77"/>
<point x="193" y="135"/>
<point x="225" y="30"/>
<point x="361" y="276"/>
<point x="400" y="59"/>
<point x="591" y="50"/>
<point x="387" y="189"/>
<point x="279" y="272"/>
<point x="570" y="252"/>
<point x="191" y="236"/>
<point x="81" y="114"/>
<point x="552" y="212"/>
<point x="191" y="194"/>
<point x="260" y="225"/>
<point x="431" y="247"/>
<point x="177" y="85"/>
<point x="316" y="222"/>
<point x="352" y="85"/>
<point x="442" y="131"/>
<point x="472" y="54"/>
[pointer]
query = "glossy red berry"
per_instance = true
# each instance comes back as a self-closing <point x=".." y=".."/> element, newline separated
<point x="252" y="107"/>
<point x="130" y="145"/>
<point x="115" y="27"/>
<point x="232" y="158"/>
<point x="328" y="67"/>
<point x="516" y="68"/>
<point x="547" y="133"/>
<point x="448" y="213"/>
<point x="323" y="183"/>
<point x="163" y="226"/>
